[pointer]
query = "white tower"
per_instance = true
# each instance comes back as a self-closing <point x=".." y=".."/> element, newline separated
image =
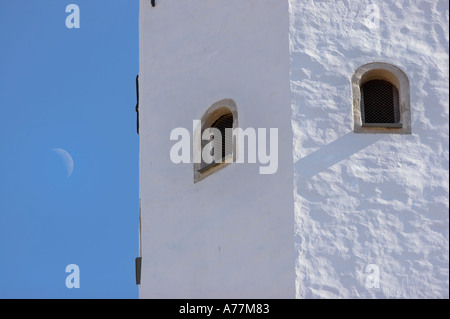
<point x="371" y="192"/>
<point x="226" y="231"/>
<point x="358" y="205"/>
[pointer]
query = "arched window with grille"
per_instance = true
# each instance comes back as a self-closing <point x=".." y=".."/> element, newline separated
<point x="380" y="94"/>
<point x="217" y="145"/>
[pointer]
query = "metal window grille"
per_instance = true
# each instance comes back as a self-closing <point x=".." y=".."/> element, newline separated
<point x="225" y="125"/>
<point x="379" y="103"/>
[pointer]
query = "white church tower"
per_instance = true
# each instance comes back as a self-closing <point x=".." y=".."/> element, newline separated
<point x="336" y="186"/>
<point x="218" y="231"/>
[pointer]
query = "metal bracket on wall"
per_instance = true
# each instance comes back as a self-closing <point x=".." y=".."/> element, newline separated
<point x="137" y="103"/>
<point x="138" y="263"/>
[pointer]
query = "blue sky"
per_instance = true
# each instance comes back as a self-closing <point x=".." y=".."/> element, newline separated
<point x="72" y="89"/>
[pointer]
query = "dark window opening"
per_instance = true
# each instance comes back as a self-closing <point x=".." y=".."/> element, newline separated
<point x="225" y="125"/>
<point x="224" y="122"/>
<point x="380" y="104"/>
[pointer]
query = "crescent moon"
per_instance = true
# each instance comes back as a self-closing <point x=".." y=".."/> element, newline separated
<point x="68" y="161"/>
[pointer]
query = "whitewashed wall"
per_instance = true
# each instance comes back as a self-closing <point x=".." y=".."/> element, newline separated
<point x="232" y="234"/>
<point x="363" y="199"/>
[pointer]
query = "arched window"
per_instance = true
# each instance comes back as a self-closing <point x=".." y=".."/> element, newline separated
<point x="381" y="99"/>
<point x="217" y="141"/>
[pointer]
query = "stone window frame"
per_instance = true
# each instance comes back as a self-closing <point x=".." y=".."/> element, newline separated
<point x="395" y="76"/>
<point x="214" y="112"/>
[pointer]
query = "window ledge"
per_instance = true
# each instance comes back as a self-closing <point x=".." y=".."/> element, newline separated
<point x="213" y="164"/>
<point x="207" y="167"/>
<point x="383" y="125"/>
